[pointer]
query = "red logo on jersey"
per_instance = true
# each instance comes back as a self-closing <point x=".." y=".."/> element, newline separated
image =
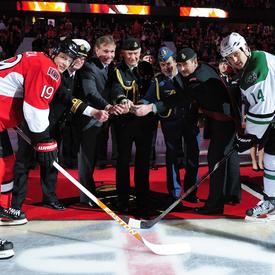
<point x="53" y="73"/>
<point x="28" y="54"/>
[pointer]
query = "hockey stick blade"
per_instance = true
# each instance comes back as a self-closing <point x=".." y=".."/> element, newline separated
<point x="159" y="249"/>
<point x="146" y="224"/>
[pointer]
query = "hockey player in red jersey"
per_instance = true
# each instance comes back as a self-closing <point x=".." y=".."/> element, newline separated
<point x="28" y="82"/>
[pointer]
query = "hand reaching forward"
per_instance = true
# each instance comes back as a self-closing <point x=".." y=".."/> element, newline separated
<point x="100" y="115"/>
<point x="142" y="110"/>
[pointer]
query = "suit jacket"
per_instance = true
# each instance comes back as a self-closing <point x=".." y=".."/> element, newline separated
<point x="61" y="103"/>
<point x="93" y="87"/>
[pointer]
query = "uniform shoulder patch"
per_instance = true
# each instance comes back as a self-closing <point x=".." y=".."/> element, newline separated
<point x="251" y="78"/>
<point x="53" y="73"/>
<point x="192" y="79"/>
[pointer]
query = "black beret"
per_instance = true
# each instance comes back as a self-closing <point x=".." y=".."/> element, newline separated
<point x="148" y="52"/>
<point x="185" y="54"/>
<point x="130" y="44"/>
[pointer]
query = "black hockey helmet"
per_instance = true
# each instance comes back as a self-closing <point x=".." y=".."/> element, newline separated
<point x="66" y="46"/>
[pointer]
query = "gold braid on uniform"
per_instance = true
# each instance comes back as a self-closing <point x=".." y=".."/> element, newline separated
<point x="133" y="87"/>
<point x="158" y="98"/>
<point x="76" y="104"/>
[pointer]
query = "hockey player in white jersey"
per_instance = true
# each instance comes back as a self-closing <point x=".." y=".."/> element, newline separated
<point x="257" y="84"/>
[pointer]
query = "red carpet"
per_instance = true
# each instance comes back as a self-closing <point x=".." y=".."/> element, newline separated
<point x="69" y="194"/>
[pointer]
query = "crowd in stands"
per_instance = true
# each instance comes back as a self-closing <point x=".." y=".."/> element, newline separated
<point x="266" y="4"/>
<point x="202" y="36"/>
<point x="11" y="34"/>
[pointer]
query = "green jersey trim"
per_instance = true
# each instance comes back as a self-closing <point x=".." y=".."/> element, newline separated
<point x="257" y="121"/>
<point x="256" y="70"/>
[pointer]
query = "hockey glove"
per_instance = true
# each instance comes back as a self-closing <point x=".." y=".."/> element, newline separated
<point x="245" y="142"/>
<point x="46" y="152"/>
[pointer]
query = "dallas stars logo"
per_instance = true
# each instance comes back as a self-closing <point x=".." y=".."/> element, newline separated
<point x="251" y="78"/>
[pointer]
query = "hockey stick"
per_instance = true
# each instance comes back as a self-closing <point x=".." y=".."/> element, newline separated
<point x="159" y="249"/>
<point x="145" y="224"/>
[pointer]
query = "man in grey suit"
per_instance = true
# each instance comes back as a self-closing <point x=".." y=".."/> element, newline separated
<point x="94" y="89"/>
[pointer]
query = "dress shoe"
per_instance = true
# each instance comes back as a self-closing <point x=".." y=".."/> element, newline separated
<point x="119" y="206"/>
<point x="192" y="199"/>
<point x="207" y="210"/>
<point x="231" y="200"/>
<point x="55" y="205"/>
<point x="101" y="166"/>
<point x="89" y="204"/>
<point x="154" y="167"/>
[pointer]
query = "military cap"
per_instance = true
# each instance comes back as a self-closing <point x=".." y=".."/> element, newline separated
<point x="83" y="47"/>
<point x="185" y="54"/>
<point x="148" y="52"/>
<point x="130" y="44"/>
<point x="164" y="54"/>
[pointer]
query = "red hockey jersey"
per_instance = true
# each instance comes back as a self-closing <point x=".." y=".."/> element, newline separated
<point x="28" y="82"/>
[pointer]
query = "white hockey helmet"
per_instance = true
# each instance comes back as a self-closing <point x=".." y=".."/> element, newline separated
<point x="231" y="44"/>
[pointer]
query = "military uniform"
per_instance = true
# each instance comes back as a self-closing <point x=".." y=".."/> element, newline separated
<point x="176" y="123"/>
<point x="129" y="129"/>
<point x="205" y="86"/>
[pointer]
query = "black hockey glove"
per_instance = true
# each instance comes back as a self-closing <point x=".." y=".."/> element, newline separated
<point x="46" y="152"/>
<point x="245" y="142"/>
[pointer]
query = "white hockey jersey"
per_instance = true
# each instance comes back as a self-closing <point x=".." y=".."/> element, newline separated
<point x="258" y="86"/>
<point x="28" y="82"/>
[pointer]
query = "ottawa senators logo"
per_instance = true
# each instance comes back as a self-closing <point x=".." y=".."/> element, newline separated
<point x="53" y="73"/>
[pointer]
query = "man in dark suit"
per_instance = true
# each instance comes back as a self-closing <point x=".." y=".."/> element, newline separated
<point x="93" y="88"/>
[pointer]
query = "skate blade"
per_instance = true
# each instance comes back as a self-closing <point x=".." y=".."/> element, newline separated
<point x="7" y="222"/>
<point x="267" y="218"/>
<point x="5" y="254"/>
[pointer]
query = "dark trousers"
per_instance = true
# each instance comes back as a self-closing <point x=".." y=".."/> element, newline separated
<point x="232" y="188"/>
<point x="7" y="160"/>
<point x="87" y="159"/>
<point x="174" y="131"/>
<point x="25" y="160"/>
<point x="102" y="144"/>
<point x="221" y="134"/>
<point x="139" y="131"/>
<point x="153" y="156"/>
<point x="70" y="145"/>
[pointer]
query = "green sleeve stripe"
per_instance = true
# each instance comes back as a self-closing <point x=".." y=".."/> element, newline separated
<point x="268" y="176"/>
<point x="257" y="121"/>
